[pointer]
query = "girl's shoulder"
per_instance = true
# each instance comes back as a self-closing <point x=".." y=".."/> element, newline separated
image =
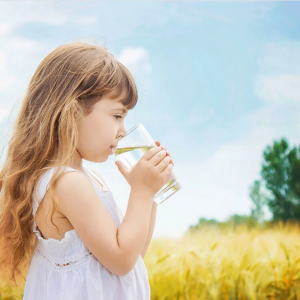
<point x="44" y="180"/>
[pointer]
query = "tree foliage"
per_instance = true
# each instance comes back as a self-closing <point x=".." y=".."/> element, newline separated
<point x="281" y="174"/>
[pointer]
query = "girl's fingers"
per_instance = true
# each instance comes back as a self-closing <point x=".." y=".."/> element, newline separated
<point x="164" y="148"/>
<point x="168" y="154"/>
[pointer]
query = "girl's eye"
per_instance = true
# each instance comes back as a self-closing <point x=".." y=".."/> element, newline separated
<point x="118" y="117"/>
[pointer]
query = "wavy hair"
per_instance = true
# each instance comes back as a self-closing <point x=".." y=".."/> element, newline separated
<point x="64" y="88"/>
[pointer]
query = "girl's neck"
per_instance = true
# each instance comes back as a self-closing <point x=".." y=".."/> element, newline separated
<point x="76" y="162"/>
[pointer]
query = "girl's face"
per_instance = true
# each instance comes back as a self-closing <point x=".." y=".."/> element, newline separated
<point x="99" y="130"/>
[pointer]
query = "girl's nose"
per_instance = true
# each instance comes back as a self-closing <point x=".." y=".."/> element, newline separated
<point x="121" y="135"/>
<point x="123" y="132"/>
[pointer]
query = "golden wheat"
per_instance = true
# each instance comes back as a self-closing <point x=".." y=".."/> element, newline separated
<point x="221" y="264"/>
<point x="215" y="264"/>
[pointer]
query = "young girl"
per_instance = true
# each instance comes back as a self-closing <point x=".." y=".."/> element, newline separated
<point x="59" y="218"/>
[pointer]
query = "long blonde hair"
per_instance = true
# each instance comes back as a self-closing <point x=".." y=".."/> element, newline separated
<point x="64" y="88"/>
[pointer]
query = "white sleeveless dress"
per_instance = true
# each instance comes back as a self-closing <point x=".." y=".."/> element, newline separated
<point x="67" y="270"/>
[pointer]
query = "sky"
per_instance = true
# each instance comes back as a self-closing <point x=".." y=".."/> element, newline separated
<point x="217" y="83"/>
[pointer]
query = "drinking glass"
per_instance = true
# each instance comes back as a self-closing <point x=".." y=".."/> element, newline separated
<point x="132" y="147"/>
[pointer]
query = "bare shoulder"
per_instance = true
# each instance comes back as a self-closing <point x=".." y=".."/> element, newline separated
<point x="69" y="184"/>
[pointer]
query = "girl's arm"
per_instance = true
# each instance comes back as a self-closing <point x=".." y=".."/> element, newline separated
<point x="117" y="248"/>
<point x="152" y="221"/>
<point x="151" y="228"/>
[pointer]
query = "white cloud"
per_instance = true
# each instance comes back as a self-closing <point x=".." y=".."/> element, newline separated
<point x="278" y="79"/>
<point x="135" y="59"/>
<point x="3" y="113"/>
<point x="18" y="56"/>
<point x="278" y="88"/>
<point x="4" y="28"/>
<point x="16" y="13"/>
<point x="7" y="79"/>
<point x="86" y="21"/>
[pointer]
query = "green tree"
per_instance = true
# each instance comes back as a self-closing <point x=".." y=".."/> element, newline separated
<point x="281" y="174"/>
<point x="294" y="157"/>
<point x="259" y="200"/>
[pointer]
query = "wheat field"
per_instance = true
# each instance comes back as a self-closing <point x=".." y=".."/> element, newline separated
<point x="239" y="264"/>
<point x="212" y="263"/>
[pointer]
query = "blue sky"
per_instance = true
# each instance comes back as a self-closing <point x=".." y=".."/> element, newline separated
<point x="217" y="83"/>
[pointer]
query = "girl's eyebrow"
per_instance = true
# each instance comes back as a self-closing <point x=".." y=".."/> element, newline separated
<point x="122" y="109"/>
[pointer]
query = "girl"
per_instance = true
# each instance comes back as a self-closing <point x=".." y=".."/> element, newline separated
<point x="59" y="218"/>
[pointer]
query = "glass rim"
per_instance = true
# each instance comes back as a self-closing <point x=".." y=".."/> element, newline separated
<point x="129" y="131"/>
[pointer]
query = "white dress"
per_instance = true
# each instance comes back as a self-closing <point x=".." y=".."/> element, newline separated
<point x="67" y="270"/>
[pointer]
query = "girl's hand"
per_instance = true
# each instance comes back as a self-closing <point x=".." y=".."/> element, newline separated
<point x="151" y="172"/>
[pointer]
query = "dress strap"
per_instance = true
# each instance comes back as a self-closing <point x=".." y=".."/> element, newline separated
<point x="43" y="185"/>
<point x="95" y="175"/>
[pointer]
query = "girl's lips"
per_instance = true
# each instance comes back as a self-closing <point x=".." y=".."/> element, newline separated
<point x="112" y="147"/>
<point x="111" y="152"/>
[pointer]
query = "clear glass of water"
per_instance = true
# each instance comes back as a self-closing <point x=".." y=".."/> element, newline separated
<point x="132" y="147"/>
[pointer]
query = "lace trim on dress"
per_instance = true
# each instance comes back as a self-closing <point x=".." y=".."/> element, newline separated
<point x="59" y="266"/>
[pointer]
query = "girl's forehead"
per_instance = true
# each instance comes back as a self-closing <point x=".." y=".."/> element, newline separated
<point x="112" y="104"/>
<point x="115" y="97"/>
